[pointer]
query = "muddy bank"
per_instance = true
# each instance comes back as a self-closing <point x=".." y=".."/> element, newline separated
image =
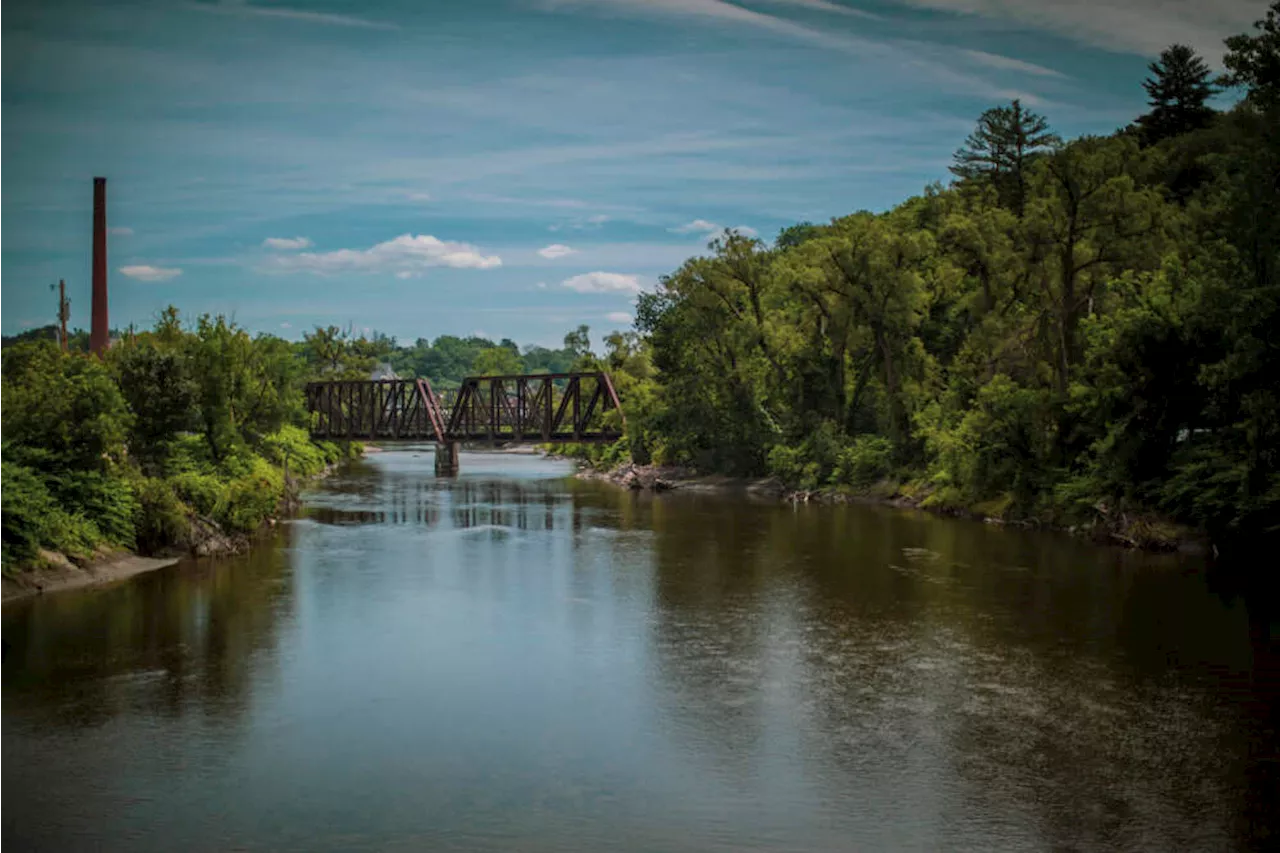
<point x="59" y="573"/>
<point x="1143" y="532"/>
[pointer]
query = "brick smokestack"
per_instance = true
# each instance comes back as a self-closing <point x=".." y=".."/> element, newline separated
<point x="100" y="329"/>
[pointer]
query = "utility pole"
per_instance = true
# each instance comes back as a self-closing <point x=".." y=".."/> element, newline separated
<point x="64" y="312"/>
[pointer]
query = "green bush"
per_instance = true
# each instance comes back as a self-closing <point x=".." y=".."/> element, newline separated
<point x="252" y="498"/>
<point x="204" y="493"/>
<point x="106" y="498"/>
<point x="866" y="461"/>
<point x="792" y="466"/>
<point x="32" y="519"/>
<point x="291" y="443"/>
<point x="161" y="519"/>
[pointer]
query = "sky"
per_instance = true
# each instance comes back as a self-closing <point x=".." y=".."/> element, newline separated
<point x="511" y="169"/>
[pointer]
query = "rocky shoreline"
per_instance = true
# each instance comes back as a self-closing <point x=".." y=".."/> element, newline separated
<point x="1136" y="532"/>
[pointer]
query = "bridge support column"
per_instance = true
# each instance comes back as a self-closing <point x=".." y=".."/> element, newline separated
<point x="447" y="459"/>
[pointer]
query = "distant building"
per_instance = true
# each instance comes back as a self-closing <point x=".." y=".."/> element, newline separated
<point x="383" y="371"/>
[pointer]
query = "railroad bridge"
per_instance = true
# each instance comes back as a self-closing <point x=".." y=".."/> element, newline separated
<point x="544" y="408"/>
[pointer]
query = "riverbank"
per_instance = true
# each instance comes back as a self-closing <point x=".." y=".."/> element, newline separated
<point x="204" y="537"/>
<point x="59" y="574"/>
<point x="1141" y="532"/>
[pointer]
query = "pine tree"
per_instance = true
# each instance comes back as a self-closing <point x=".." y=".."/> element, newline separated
<point x="1177" y="91"/>
<point x="1000" y="148"/>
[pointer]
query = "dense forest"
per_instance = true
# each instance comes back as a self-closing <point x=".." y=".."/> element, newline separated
<point x="1077" y="333"/>
<point x="1080" y="333"/>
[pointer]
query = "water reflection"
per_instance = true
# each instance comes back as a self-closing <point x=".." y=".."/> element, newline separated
<point x="512" y="655"/>
<point x="172" y="643"/>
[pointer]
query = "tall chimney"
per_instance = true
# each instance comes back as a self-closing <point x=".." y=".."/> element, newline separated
<point x="100" y="329"/>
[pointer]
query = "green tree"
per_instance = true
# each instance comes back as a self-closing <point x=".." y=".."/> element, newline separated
<point x="1178" y="91"/>
<point x="1253" y="61"/>
<point x="1000" y="149"/>
<point x="497" y="361"/>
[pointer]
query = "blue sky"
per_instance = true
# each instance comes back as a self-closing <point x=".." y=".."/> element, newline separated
<point x="511" y="168"/>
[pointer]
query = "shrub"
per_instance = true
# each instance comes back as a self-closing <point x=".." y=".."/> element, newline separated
<point x="107" y="499"/>
<point x="31" y="519"/>
<point x="291" y="443"/>
<point x="251" y="498"/>
<point x="791" y="466"/>
<point x="161" y="518"/>
<point x="866" y="461"/>
<point x="204" y="493"/>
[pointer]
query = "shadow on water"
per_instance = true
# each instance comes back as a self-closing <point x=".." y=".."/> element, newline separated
<point x="516" y="655"/>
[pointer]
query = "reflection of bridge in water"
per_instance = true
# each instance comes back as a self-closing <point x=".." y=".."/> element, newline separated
<point x="465" y="505"/>
<point x="548" y="408"/>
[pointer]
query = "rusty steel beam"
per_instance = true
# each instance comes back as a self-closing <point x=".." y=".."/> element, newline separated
<point x="509" y="408"/>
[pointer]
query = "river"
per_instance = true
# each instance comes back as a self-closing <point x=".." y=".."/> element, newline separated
<point x="517" y="660"/>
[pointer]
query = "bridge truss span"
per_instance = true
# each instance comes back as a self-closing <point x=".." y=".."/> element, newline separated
<point x="538" y="408"/>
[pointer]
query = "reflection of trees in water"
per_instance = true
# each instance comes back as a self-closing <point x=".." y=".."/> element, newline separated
<point x="179" y="641"/>
<point x="981" y="674"/>
<point x="711" y="628"/>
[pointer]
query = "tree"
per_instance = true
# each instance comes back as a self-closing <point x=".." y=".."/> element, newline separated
<point x="1254" y="61"/>
<point x="999" y="150"/>
<point x="579" y="341"/>
<point x="496" y="361"/>
<point x="1177" y="92"/>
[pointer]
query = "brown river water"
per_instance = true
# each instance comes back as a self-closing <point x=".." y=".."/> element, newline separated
<point x="517" y="660"/>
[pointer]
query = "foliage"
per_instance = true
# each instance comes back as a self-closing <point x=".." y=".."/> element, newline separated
<point x="161" y="518"/>
<point x="1000" y="149"/>
<point x="1177" y="91"/>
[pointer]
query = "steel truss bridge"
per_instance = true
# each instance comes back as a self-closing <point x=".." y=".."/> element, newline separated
<point x="545" y="408"/>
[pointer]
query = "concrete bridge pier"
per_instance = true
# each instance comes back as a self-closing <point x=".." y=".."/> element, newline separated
<point x="447" y="459"/>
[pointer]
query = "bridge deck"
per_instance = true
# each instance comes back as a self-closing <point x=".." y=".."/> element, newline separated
<point x="554" y="408"/>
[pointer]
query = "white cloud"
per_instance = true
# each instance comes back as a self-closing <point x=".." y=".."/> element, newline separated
<point x="707" y="228"/>
<point x="826" y="6"/>
<point x="407" y="253"/>
<point x="603" y="282"/>
<point x="582" y="223"/>
<point x="239" y="7"/>
<point x="1008" y="63"/>
<point x="618" y="317"/>
<point x="542" y="285"/>
<point x="697" y="226"/>
<point x="556" y="250"/>
<point x="286" y="243"/>
<point x="404" y="275"/>
<point x="419" y="196"/>
<point x="286" y="325"/>
<point x="1135" y="26"/>
<point x="120" y="231"/>
<point x="145" y="272"/>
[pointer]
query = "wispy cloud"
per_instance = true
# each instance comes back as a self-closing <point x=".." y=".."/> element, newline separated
<point x="239" y="7"/>
<point x="697" y="226"/>
<point x="146" y="272"/>
<point x="407" y="253"/>
<point x="707" y="228"/>
<point x="1134" y="26"/>
<point x="603" y="282"/>
<point x="120" y="231"/>
<point x="584" y="223"/>
<point x="286" y="243"/>
<point x="286" y="325"/>
<point x="556" y="250"/>
<point x="618" y="317"/>
<point x="826" y="6"/>
<point x="1008" y="63"/>
<point x="901" y="53"/>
